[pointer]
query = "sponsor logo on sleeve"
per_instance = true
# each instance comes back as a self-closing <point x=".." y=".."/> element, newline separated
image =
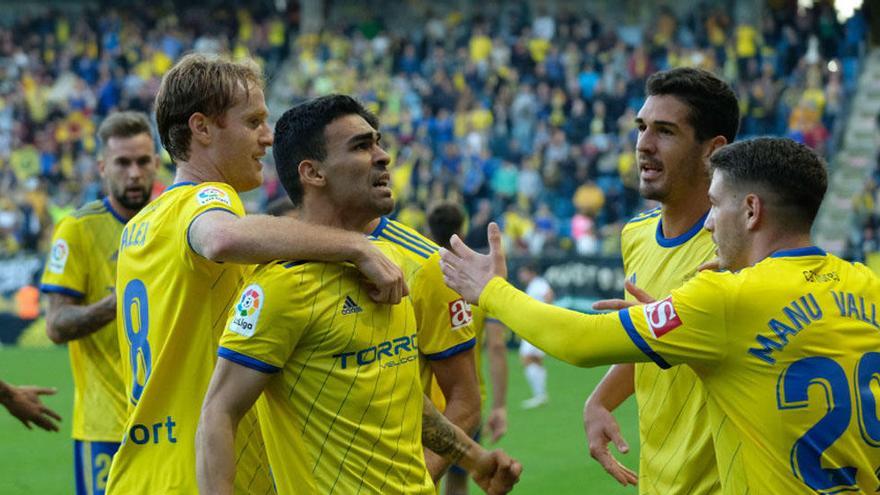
<point x="662" y="317"/>
<point x="247" y="311"/>
<point x="460" y="314"/>
<point x="58" y="256"/>
<point x="211" y="194"/>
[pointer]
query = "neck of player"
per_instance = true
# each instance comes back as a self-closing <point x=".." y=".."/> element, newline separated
<point x="121" y="210"/>
<point x="319" y="212"/>
<point x="680" y="216"/>
<point x="766" y="243"/>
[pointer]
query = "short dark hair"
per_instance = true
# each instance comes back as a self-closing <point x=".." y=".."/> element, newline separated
<point x="792" y="172"/>
<point x="123" y="125"/>
<point x="714" y="109"/>
<point x="299" y="135"/>
<point x="444" y="219"/>
<point x="200" y="83"/>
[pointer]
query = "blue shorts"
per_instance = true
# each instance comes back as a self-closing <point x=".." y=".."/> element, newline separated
<point x="455" y="468"/>
<point x="91" y="465"/>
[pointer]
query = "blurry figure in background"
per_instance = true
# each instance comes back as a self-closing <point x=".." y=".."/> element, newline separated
<point x="444" y="220"/>
<point x="532" y="357"/>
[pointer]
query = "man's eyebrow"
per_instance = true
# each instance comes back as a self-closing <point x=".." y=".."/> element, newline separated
<point x="661" y="123"/>
<point x="366" y="136"/>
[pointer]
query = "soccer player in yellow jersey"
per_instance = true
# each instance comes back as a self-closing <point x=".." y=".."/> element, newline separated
<point x="181" y="261"/>
<point x="79" y="279"/>
<point x="446" y="334"/>
<point x="785" y="342"/>
<point x="339" y="374"/>
<point x="688" y="114"/>
<point x="445" y="219"/>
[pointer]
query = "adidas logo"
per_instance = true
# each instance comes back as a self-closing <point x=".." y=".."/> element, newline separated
<point x="349" y="306"/>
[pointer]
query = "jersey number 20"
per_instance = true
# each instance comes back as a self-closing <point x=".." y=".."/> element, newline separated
<point x="137" y="325"/>
<point x="792" y="393"/>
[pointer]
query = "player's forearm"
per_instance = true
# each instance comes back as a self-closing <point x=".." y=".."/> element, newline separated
<point x="261" y="238"/>
<point x="442" y="437"/>
<point x="215" y="444"/>
<point x="615" y="387"/>
<point x="71" y="322"/>
<point x="497" y="354"/>
<point x="576" y="338"/>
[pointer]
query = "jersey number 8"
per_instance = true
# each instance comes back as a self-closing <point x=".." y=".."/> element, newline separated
<point x="137" y="324"/>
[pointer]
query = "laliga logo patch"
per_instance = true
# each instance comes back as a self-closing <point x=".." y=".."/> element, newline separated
<point x="212" y="194"/>
<point x="661" y="317"/>
<point x="247" y="311"/>
<point x="459" y="314"/>
<point x="58" y="256"/>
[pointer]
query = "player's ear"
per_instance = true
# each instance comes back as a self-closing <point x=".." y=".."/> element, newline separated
<point x="198" y="126"/>
<point x="310" y="173"/>
<point x="712" y="145"/>
<point x="754" y="210"/>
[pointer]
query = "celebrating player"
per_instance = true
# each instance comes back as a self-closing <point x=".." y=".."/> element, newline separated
<point x="180" y="270"/>
<point x="339" y="373"/>
<point x="79" y="278"/>
<point x="689" y="113"/>
<point x="444" y="220"/>
<point x="785" y="342"/>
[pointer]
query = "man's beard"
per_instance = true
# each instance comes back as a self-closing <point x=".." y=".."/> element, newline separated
<point x="130" y="204"/>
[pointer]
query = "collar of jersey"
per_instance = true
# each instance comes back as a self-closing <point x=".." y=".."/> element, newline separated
<point x="187" y="183"/>
<point x="804" y="251"/>
<point x="383" y="221"/>
<point x="683" y="238"/>
<point x="113" y="212"/>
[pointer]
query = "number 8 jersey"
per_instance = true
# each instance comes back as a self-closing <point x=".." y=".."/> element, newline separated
<point x="172" y="307"/>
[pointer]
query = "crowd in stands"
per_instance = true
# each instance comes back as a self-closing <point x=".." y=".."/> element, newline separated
<point x="525" y="118"/>
<point x="863" y="244"/>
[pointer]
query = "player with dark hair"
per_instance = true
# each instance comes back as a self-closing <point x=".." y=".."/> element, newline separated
<point x="446" y="335"/>
<point x="79" y="280"/>
<point x="689" y="113"/>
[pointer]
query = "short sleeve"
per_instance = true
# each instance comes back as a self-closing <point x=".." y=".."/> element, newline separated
<point x="263" y="326"/>
<point x="66" y="270"/>
<point x="688" y="326"/>
<point x="445" y="320"/>
<point x="209" y="196"/>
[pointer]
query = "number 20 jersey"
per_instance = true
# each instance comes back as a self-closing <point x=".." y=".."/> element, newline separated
<point x="789" y="353"/>
<point x="171" y="311"/>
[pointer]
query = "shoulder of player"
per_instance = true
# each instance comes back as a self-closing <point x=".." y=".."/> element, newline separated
<point x="642" y="220"/>
<point x="405" y="238"/>
<point x="90" y="209"/>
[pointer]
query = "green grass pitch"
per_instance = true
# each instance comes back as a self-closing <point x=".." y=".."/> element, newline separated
<point x="549" y="441"/>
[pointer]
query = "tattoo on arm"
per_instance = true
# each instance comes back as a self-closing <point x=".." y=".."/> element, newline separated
<point x="67" y="320"/>
<point x="439" y="435"/>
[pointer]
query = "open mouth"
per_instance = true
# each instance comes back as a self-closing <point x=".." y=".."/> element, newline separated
<point x="650" y="170"/>
<point x="383" y="182"/>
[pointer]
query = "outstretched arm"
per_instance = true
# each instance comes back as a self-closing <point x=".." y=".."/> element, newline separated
<point x="579" y="339"/>
<point x="220" y="236"/>
<point x="495" y="472"/>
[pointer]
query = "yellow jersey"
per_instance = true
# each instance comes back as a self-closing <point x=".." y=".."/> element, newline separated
<point x="344" y="412"/>
<point x="444" y="318"/>
<point x="172" y="307"/>
<point x="82" y="264"/>
<point x="787" y="350"/>
<point x="676" y="455"/>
